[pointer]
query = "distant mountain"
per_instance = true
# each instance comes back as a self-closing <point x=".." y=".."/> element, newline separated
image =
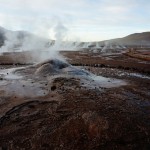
<point x="132" y="39"/>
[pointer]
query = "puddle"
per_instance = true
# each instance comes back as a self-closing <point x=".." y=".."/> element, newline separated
<point x="139" y="75"/>
<point x="71" y="70"/>
<point x="108" y="82"/>
<point x="90" y="80"/>
<point x="24" y="88"/>
<point x="10" y="73"/>
<point x="13" y="84"/>
<point x="97" y="82"/>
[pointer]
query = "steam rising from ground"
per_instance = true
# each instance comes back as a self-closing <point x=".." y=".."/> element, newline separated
<point x="23" y="41"/>
<point x="19" y="41"/>
<point x="47" y="48"/>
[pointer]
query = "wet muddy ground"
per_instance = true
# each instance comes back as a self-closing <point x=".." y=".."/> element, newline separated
<point x="68" y="111"/>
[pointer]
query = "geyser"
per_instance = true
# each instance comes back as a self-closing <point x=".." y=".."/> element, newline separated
<point x="50" y="67"/>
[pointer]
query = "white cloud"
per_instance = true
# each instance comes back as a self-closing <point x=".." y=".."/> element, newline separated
<point x="81" y="17"/>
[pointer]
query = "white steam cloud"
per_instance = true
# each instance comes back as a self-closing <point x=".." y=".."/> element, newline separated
<point x="19" y="41"/>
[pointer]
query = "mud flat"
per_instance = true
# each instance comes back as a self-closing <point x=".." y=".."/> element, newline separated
<point x="120" y="61"/>
<point x="143" y="55"/>
<point x="54" y="105"/>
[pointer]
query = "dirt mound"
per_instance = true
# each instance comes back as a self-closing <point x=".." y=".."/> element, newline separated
<point x="54" y="62"/>
<point x="45" y="70"/>
<point x="50" y="67"/>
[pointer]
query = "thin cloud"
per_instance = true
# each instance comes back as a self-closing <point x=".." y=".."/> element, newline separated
<point x="81" y="17"/>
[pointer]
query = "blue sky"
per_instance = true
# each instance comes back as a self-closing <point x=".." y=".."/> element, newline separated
<point x="84" y="20"/>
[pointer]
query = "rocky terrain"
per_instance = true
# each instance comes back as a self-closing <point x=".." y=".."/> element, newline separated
<point x="93" y="105"/>
<point x="97" y="97"/>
